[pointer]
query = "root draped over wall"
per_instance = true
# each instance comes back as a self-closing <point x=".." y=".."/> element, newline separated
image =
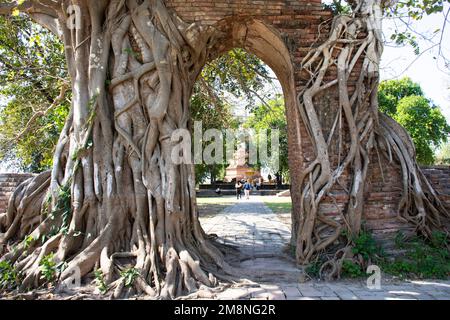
<point x="115" y="201"/>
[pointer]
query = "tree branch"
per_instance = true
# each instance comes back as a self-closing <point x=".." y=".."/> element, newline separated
<point x="38" y="114"/>
<point x="32" y="7"/>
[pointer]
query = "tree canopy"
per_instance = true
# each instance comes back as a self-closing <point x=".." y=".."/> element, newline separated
<point x="269" y="116"/>
<point x="404" y="101"/>
<point x="34" y="93"/>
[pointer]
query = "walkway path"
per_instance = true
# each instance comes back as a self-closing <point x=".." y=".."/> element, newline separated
<point x="250" y="225"/>
<point x="262" y="239"/>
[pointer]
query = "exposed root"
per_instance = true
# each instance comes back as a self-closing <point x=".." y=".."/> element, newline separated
<point x="354" y="42"/>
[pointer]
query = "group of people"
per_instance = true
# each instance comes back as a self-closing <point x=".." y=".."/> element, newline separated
<point x="243" y="185"/>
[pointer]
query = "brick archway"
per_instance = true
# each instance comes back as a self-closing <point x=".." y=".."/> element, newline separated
<point x="281" y="33"/>
<point x="266" y="42"/>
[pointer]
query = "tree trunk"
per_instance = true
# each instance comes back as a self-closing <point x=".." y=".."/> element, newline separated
<point x="133" y="66"/>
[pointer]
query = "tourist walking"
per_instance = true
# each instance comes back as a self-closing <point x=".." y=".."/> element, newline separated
<point x="238" y="187"/>
<point x="247" y="188"/>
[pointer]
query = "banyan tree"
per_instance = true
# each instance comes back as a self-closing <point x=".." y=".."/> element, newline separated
<point x="115" y="196"/>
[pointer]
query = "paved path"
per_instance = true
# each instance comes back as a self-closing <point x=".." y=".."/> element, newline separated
<point x="250" y="225"/>
<point x="262" y="238"/>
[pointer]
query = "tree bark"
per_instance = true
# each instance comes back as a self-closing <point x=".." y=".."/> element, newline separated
<point x="133" y="66"/>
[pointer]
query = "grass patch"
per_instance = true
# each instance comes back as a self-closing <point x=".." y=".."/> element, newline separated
<point x="280" y="207"/>
<point x="420" y="258"/>
<point x="417" y="258"/>
<point x="211" y="206"/>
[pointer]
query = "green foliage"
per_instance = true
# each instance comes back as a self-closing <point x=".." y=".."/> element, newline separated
<point x="63" y="209"/>
<point x="351" y="269"/>
<point x="426" y="125"/>
<point x="129" y="275"/>
<point x="100" y="281"/>
<point x="406" y="38"/>
<point x="269" y="116"/>
<point x="32" y="72"/>
<point x="48" y="267"/>
<point x="416" y="10"/>
<point x="366" y="246"/>
<point x="338" y="7"/>
<point x="236" y="73"/>
<point x="421" y="258"/>
<point x="9" y="277"/>
<point x="404" y="101"/>
<point x="392" y="91"/>
<point x="313" y="270"/>
<point x="443" y="155"/>
<point x="28" y="241"/>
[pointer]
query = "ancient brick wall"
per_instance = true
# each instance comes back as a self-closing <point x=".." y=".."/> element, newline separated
<point x="384" y="193"/>
<point x="8" y="183"/>
<point x="297" y="24"/>
<point x="439" y="177"/>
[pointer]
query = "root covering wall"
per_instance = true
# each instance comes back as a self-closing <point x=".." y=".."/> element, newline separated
<point x="381" y="210"/>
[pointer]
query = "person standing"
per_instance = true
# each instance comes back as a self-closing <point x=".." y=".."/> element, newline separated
<point x="247" y="188"/>
<point x="238" y="187"/>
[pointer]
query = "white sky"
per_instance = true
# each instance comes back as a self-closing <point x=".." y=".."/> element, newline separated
<point x="430" y="73"/>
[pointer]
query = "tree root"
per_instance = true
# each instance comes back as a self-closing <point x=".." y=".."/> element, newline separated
<point x="358" y="128"/>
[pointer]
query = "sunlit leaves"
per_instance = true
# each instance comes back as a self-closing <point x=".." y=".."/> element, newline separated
<point x="272" y="115"/>
<point x="404" y="101"/>
<point x="32" y="71"/>
<point x="236" y="73"/>
<point x="417" y="9"/>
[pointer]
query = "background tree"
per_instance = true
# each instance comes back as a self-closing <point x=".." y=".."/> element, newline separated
<point x="269" y="116"/>
<point x="34" y="93"/>
<point x="404" y="101"/>
<point x="443" y="155"/>
<point x="237" y="74"/>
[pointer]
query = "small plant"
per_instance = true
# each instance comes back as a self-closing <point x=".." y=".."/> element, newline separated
<point x="313" y="270"/>
<point x="100" y="281"/>
<point x="48" y="267"/>
<point x="366" y="246"/>
<point x="421" y="258"/>
<point x="439" y="239"/>
<point x="63" y="208"/>
<point x="351" y="269"/>
<point x="9" y="277"/>
<point x="129" y="276"/>
<point x="28" y="241"/>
